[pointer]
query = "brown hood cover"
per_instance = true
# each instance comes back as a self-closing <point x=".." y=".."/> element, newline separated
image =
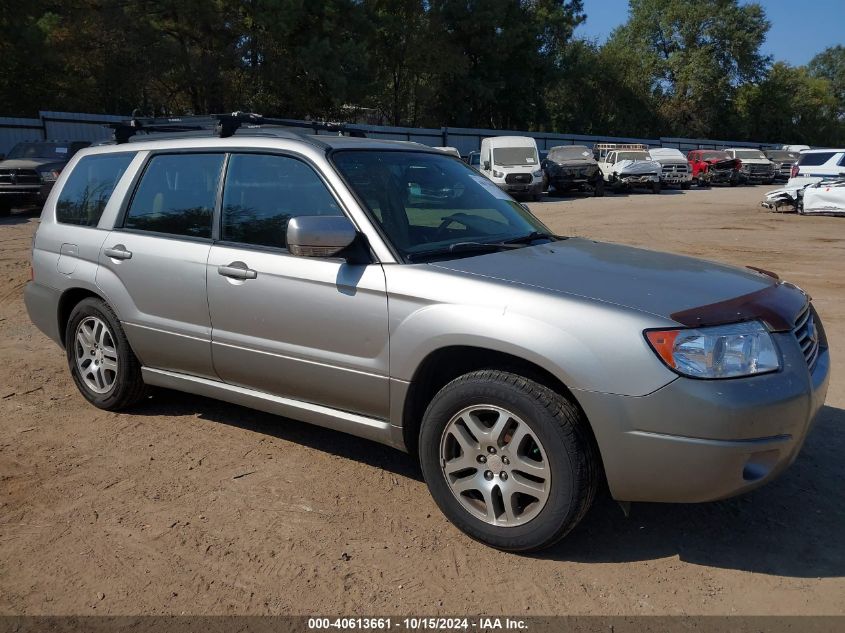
<point x="778" y="306"/>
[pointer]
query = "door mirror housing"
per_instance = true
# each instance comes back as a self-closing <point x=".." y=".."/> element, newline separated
<point x="320" y="235"/>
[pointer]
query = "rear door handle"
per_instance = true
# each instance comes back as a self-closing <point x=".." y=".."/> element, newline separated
<point x="118" y="252"/>
<point x="237" y="270"/>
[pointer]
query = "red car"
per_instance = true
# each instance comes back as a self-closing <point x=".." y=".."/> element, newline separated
<point x="712" y="166"/>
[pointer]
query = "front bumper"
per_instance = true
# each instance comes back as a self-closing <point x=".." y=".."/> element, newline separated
<point x="756" y="178"/>
<point x="638" y="179"/>
<point x="520" y="189"/>
<point x="676" y="179"/>
<point x="25" y="195"/>
<point x="699" y="440"/>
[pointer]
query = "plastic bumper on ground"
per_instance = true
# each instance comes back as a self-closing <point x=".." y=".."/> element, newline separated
<point x="702" y="440"/>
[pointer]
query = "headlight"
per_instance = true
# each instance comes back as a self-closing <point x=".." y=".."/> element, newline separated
<point x="538" y="173"/>
<point x="498" y="174"/>
<point x="724" y="351"/>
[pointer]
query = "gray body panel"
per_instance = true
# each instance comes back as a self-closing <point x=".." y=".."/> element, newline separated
<point x="339" y="345"/>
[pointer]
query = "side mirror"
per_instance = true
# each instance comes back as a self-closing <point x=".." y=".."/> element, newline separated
<point x="486" y="165"/>
<point x="319" y="235"/>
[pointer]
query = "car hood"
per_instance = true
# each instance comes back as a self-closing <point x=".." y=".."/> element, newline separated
<point x="649" y="281"/>
<point x="755" y="161"/>
<point x="574" y="162"/>
<point x="636" y="166"/>
<point x="722" y="163"/>
<point x="27" y="163"/>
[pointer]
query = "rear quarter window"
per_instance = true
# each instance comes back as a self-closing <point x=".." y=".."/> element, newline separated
<point x="89" y="187"/>
<point x="815" y="158"/>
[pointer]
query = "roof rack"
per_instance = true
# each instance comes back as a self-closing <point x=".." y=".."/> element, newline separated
<point x="223" y="125"/>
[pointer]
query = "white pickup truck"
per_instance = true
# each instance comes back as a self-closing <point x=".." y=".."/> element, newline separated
<point x="627" y="165"/>
<point x="675" y="168"/>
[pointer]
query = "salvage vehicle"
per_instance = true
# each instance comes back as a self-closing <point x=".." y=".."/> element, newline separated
<point x="627" y="165"/>
<point x="572" y="167"/>
<point x="302" y="275"/>
<point x="784" y="162"/>
<point x="513" y="163"/>
<point x="711" y="167"/>
<point x="755" y="168"/>
<point x="675" y="167"/>
<point x="809" y="197"/>
<point x="28" y="172"/>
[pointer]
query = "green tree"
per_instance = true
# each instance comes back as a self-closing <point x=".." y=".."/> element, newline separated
<point x="693" y="54"/>
<point x="830" y="65"/>
<point x="792" y="106"/>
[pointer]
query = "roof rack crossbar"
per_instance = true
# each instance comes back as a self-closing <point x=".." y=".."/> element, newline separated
<point x="224" y="125"/>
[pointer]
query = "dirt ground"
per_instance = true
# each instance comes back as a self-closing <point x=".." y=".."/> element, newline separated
<point x="187" y="505"/>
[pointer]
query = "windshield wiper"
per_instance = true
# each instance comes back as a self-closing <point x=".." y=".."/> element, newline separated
<point x="533" y="235"/>
<point x="462" y="247"/>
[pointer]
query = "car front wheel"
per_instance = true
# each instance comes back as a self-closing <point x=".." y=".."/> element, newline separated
<point x="508" y="461"/>
<point x="102" y="364"/>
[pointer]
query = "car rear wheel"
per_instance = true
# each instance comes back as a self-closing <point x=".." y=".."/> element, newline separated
<point x="508" y="461"/>
<point x="102" y="364"/>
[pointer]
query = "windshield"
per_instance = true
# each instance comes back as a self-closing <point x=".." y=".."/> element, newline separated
<point x="511" y="156"/>
<point x="631" y="156"/>
<point x="40" y="150"/>
<point x="715" y="156"/>
<point x="475" y="158"/>
<point x="426" y="202"/>
<point x="571" y="152"/>
<point x="749" y="153"/>
<point x="782" y="156"/>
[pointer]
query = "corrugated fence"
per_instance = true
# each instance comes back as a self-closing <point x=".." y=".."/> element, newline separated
<point x="75" y="126"/>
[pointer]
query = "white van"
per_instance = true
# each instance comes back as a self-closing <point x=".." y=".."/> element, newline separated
<point x="513" y="163"/>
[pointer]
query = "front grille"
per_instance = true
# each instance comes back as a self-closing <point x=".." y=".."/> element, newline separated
<point x="786" y="169"/>
<point x="518" y="178"/>
<point x="807" y="333"/>
<point x="759" y="169"/>
<point x="19" y="177"/>
<point x="675" y="169"/>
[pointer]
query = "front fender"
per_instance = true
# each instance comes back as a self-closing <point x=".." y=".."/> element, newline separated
<point x="587" y="345"/>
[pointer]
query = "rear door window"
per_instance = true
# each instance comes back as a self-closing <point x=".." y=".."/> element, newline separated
<point x="89" y="187"/>
<point x="815" y="158"/>
<point x="264" y="191"/>
<point x="177" y="195"/>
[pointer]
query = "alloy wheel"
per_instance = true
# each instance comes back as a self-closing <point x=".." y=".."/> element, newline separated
<point x="495" y="465"/>
<point x="96" y="355"/>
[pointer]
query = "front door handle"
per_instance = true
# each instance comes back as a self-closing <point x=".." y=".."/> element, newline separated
<point x="237" y="270"/>
<point x="118" y="252"/>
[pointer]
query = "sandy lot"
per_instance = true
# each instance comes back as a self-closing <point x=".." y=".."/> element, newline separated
<point x="187" y="505"/>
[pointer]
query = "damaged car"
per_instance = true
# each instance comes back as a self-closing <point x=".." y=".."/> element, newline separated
<point x="784" y="162"/>
<point x="755" y="168"/>
<point x="627" y="165"/>
<point x="573" y="168"/>
<point x="710" y="167"/>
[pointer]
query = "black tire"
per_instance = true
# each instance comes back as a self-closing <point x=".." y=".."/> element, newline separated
<point x="686" y="186"/>
<point x="598" y="190"/>
<point x="655" y="187"/>
<point x="128" y="387"/>
<point x="558" y="424"/>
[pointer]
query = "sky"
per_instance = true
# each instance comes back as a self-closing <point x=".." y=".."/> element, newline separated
<point x="800" y="28"/>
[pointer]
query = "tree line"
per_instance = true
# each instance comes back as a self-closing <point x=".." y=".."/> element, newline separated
<point x="688" y="68"/>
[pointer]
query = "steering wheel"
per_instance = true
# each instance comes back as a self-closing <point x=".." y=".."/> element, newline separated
<point x="441" y="229"/>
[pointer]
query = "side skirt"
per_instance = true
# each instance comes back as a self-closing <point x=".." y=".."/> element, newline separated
<point x="359" y="425"/>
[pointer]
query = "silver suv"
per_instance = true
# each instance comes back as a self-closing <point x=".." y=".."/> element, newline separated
<point x="393" y="292"/>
